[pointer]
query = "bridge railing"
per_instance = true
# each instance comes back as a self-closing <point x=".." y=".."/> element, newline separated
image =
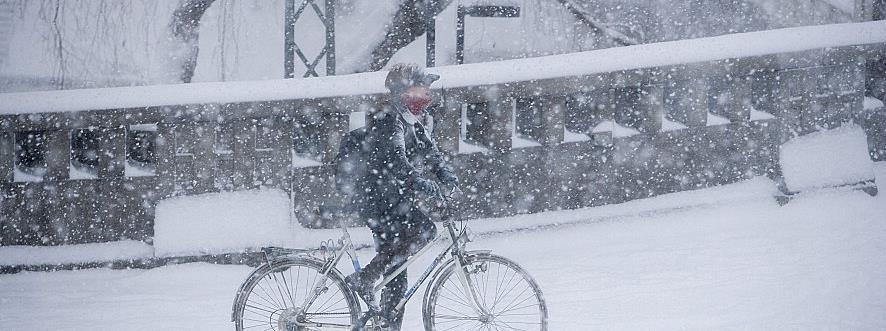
<point x="557" y="132"/>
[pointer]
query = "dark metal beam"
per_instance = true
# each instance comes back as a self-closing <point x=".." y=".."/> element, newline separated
<point x="289" y="40"/>
<point x="291" y="49"/>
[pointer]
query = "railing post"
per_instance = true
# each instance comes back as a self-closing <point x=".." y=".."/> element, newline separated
<point x="164" y="154"/>
<point x="283" y="149"/>
<point x="794" y="104"/>
<point x="639" y="107"/>
<point x="447" y="122"/>
<point x="651" y="108"/>
<point x="740" y="88"/>
<point x="7" y="155"/>
<point x="553" y="120"/>
<point x="243" y="144"/>
<point x="846" y="83"/>
<point x="112" y="152"/>
<point x="58" y="155"/>
<point x="499" y="111"/>
<point x="489" y="122"/>
<point x="686" y="101"/>
<point x="204" y="156"/>
<point x="335" y="124"/>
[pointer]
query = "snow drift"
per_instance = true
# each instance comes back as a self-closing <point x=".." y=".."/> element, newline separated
<point x="221" y="222"/>
<point x="827" y="158"/>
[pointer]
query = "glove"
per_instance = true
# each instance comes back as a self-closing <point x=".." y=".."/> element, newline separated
<point x="450" y="185"/>
<point x="449" y="178"/>
<point x="427" y="186"/>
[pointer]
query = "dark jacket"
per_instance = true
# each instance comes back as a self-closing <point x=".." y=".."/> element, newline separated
<point x="400" y="154"/>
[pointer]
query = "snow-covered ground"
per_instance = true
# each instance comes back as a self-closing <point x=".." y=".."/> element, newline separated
<point x="734" y="262"/>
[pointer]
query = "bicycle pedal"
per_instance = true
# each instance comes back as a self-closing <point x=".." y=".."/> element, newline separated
<point x="372" y="320"/>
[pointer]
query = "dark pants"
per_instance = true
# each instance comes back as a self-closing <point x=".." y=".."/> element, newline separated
<point x="397" y="237"/>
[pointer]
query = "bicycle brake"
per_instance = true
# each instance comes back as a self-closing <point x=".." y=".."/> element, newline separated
<point x="478" y="268"/>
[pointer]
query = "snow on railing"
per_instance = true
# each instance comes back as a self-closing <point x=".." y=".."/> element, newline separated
<point x="475" y="74"/>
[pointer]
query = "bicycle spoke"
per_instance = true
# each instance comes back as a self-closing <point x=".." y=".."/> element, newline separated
<point x="262" y="309"/>
<point x="503" y="291"/>
<point x="322" y="305"/>
<point x="287" y="287"/>
<point x="262" y="304"/>
<point x="275" y="297"/>
<point x="517" y="297"/>
<point x="458" y="325"/>
<point x="279" y="290"/>
<point x="268" y="297"/>
<point x="447" y="317"/>
<point x="506" y="325"/>
<point x="462" y="301"/>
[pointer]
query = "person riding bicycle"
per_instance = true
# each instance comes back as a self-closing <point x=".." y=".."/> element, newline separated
<point x="401" y="152"/>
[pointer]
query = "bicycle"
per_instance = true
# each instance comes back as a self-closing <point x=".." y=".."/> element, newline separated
<point x="470" y="290"/>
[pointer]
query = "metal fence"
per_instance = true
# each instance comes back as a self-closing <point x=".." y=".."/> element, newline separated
<point x="520" y="147"/>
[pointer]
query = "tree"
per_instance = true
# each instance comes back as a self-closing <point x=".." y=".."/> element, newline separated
<point x="408" y="24"/>
<point x="182" y="41"/>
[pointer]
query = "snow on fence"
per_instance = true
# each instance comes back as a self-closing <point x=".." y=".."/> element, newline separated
<point x="90" y="165"/>
<point x="645" y="56"/>
<point x="214" y="223"/>
<point x="827" y="158"/>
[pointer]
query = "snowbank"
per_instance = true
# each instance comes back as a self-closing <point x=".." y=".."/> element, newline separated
<point x="816" y="263"/>
<point x="668" y="125"/>
<point x="475" y="74"/>
<point x="757" y="115"/>
<point x="465" y="147"/>
<point x="569" y="136"/>
<point x="714" y="119"/>
<point x="221" y="222"/>
<point x="826" y="158"/>
<point x="83" y="253"/>
<point x="617" y="130"/>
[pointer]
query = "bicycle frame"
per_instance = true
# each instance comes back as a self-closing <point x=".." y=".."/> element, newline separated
<point x="347" y="247"/>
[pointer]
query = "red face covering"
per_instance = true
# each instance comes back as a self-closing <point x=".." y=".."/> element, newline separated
<point x="416" y="98"/>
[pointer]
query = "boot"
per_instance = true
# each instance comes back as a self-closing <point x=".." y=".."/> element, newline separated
<point x="390" y="297"/>
<point x="362" y="286"/>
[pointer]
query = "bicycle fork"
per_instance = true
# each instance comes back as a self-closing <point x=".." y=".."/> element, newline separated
<point x="463" y="275"/>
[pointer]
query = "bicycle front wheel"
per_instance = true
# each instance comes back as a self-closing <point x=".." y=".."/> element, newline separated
<point x="293" y="294"/>
<point x="489" y="293"/>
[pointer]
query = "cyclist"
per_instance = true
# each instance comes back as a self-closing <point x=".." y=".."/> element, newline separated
<point x="401" y="151"/>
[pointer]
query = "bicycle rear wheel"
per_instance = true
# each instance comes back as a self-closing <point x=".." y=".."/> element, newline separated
<point x="273" y="296"/>
<point x="508" y="297"/>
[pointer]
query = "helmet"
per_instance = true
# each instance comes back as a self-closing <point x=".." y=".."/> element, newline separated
<point x="406" y="75"/>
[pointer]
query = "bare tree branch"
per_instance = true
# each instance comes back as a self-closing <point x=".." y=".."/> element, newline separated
<point x="185" y="28"/>
<point x="582" y="16"/>
<point x="408" y="25"/>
